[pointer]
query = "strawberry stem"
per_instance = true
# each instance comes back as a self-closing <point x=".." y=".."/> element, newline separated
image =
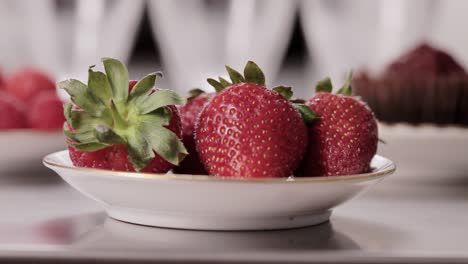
<point x="346" y="89"/>
<point x="324" y="85"/>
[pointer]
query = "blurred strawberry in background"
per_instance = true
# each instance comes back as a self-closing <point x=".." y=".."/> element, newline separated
<point x="28" y="82"/>
<point x="12" y="112"/>
<point x="28" y="99"/>
<point x="46" y="111"/>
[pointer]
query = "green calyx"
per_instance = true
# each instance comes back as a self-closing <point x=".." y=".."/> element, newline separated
<point x="326" y="86"/>
<point x="253" y="74"/>
<point x="285" y="91"/>
<point x="346" y="89"/>
<point x="109" y="115"/>
<point x="307" y="114"/>
<point x="194" y="93"/>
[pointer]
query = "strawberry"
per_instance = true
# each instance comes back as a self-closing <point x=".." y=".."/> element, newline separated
<point x="118" y="129"/>
<point x="189" y="113"/>
<point x="46" y="111"/>
<point x="344" y="138"/>
<point x="12" y="112"/>
<point x="25" y="84"/>
<point x="116" y="156"/>
<point x="247" y="130"/>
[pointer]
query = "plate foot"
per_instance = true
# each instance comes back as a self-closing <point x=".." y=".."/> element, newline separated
<point x="215" y="222"/>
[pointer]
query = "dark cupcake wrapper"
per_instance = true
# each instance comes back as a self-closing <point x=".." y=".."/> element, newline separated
<point x="442" y="101"/>
<point x="462" y="107"/>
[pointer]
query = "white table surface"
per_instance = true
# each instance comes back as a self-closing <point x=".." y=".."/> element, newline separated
<point x="42" y="217"/>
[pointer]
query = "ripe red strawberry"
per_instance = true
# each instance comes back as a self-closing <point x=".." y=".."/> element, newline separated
<point x="118" y="129"/>
<point x="25" y="84"/>
<point x="12" y="112"/>
<point x="46" y="112"/>
<point x="116" y="156"/>
<point x="189" y="114"/>
<point x="247" y="130"/>
<point x="344" y="138"/>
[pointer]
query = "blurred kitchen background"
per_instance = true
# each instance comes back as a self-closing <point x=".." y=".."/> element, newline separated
<point x="295" y="42"/>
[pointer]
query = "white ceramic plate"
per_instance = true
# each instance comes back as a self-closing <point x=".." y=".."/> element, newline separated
<point x="213" y="203"/>
<point x="24" y="148"/>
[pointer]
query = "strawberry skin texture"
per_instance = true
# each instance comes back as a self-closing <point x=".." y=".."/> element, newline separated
<point x="27" y="83"/>
<point x="344" y="138"/>
<point x="189" y="114"/>
<point x="12" y="112"/>
<point x="190" y="111"/>
<point x="46" y="112"/>
<point x="116" y="157"/>
<point x="249" y="131"/>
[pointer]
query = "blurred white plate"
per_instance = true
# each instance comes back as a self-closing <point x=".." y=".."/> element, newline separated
<point x="426" y="154"/>
<point x="24" y="148"/>
<point x="214" y="203"/>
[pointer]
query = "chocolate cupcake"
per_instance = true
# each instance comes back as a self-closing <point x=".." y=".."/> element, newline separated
<point x="426" y="85"/>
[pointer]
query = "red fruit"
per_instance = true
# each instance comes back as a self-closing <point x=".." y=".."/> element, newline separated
<point x="46" y="112"/>
<point x="27" y="83"/>
<point x="2" y="80"/>
<point x="344" y="138"/>
<point x="190" y="111"/>
<point x="249" y="131"/>
<point x="120" y="126"/>
<point x="424" y="61"/>
<point x="189" y="114"/>
<point x="12" y="112"/>
<point x="116" y="157"/>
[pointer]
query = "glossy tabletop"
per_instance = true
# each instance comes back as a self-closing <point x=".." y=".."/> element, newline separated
<point x="395" y="222"/>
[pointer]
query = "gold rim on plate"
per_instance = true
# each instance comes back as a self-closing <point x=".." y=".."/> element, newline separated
<point x="385" y="170"/>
